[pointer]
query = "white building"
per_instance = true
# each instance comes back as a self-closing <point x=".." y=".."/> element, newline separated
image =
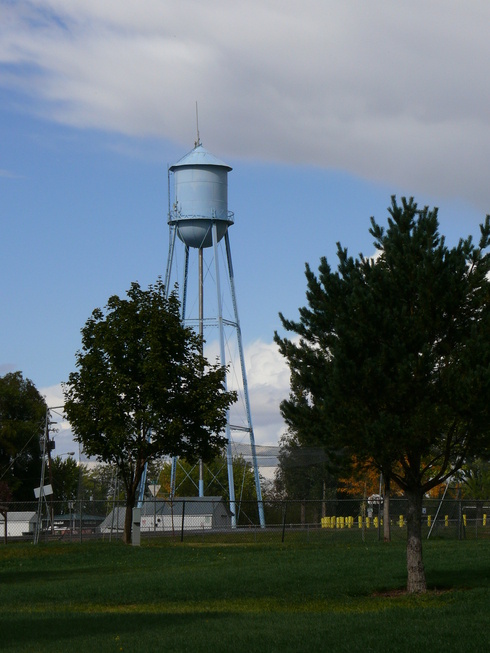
<point x="18" y="524"/>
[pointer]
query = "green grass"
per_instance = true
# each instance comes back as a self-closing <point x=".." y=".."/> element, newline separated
<point x="317" y="596"/>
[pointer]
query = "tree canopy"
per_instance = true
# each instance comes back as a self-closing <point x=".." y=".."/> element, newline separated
<point x="303" y="472"/>
<point x="22" y="421"/>
<point x="65" y="475"/>
<point x="143" y="389"/>
<point x="475" y="479"/>
<point x="393" y="358"/>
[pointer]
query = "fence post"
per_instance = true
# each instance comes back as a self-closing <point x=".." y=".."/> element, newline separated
<point x="284" y="506"/>
<point x="182" y="528"/>
<point x="3" y="512"/>
<point x="460" y="520"/>
<point x="80" y="521"/>
<point x="379" y="513"/>
<point x="363" y="513"/>
<point x="136" y="524"/>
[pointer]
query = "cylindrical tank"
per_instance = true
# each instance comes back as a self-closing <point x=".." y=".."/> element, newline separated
<point x="200" y="198"/>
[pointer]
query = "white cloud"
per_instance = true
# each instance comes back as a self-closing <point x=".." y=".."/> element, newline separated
<point x="53" y="395"/>
<point x="268" y="382"/>
<point x="268" y="385"/>
<point x="390" y="91"/>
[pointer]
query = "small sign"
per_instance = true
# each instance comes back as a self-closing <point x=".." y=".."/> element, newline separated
<point x="47" y="490"/>
<point x="154" y="489"/>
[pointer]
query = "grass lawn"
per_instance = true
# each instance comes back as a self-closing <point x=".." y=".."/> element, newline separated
<point x="163" y="596"/>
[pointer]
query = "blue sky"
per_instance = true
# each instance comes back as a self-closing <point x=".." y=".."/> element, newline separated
<point x="323" y="109"/>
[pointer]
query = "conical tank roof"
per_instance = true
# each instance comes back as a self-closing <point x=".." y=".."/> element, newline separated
<point x="200" y="157"/>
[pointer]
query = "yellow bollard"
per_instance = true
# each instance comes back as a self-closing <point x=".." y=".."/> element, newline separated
<point x="464" y="520"/>
<point x="446" y="520"/>
<point x="375" y="522"/>
<point x="429" y="520"/>
<point x="350" y="522"/>
<point x="359" y="521"/>
<point x="342" y="522"/>
<point x="400" y="521"/>
<point x="484" y="519"/>
<point x="324" y="522"/>
<point x="368" y="522"/>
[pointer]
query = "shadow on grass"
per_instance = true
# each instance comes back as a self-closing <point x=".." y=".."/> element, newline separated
<point x="402" y="629"/>
<point x="20" y="576"/>
<point x="462" y="578"/>
<point x="96" y="632"/>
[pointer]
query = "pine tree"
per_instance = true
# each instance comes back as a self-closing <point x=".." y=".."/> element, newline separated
<point x="393" y="361"/>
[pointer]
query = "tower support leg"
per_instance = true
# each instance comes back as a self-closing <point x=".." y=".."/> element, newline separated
<point x="245" y="384"/>
<point x="229" y="450"/>
<point x="173" y="470"/>
<point x="171" y="246"/>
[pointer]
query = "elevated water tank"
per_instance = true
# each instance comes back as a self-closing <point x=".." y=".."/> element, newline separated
<point x="200" y="198"/>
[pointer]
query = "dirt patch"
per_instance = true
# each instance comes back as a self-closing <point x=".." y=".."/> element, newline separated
<point x="395" y="593"/>
<point x="391" y="593"/>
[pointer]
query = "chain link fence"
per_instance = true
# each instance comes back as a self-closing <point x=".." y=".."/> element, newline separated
<point x="210" y="519"/>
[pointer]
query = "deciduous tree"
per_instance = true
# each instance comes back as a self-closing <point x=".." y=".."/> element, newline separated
<point x="22" y="422"/>
<point x="475" y="477"/>
<point x="303" y="472"/>
<point x="393" y="360"/>
<point x="361" y="479"/>
<point x="65" y="474"/>
<point x="142" y="388"/>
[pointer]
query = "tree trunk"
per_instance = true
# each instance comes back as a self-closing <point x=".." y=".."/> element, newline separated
<point x="131" y="492"/>
<point x="128" y="518"/>
<point x="416" y="582"/>
<point x="386" y="512"/>
<point x="386" y="517"/>
<point x="128" y="522"/>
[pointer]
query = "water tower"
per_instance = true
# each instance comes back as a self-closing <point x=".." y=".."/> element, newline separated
<point x="199" y="261"/>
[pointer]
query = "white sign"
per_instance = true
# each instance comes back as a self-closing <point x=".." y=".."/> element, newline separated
<point x="47" y="490"/>
<point x="154" y="489"/>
